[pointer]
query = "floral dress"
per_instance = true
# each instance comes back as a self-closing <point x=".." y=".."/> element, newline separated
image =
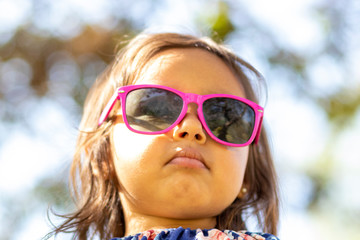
<point x="198" y="234"/>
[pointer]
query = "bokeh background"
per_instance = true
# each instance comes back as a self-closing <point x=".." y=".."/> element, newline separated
<point x="308" y="50"/>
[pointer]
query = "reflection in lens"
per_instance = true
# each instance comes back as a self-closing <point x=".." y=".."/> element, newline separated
<point x="152" y="109"/>
<point x="229" y="119"/>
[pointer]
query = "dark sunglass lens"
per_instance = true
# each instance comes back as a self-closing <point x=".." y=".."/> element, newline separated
<point x="152" y="109"/>
<point x="229" y="119"/>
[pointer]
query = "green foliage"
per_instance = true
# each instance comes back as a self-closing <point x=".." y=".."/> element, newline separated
<point x="221" y="25"/>
<point x="342" y="106"/>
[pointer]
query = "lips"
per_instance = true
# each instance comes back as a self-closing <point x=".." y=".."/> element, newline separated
<point x="188" y="158"/>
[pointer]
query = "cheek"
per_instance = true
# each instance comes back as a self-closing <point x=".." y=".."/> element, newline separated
<point x="137" y="157"/>
<point x="233" y="168"/>
<point x="240" y="157"/>
<point x="131" y="152"/>
<point x="128" y="146"/>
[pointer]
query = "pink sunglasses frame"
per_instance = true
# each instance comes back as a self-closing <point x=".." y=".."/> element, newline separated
<point x="121" y="93"/>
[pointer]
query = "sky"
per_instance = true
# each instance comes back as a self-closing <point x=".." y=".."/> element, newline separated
<point x="47" y="148"/>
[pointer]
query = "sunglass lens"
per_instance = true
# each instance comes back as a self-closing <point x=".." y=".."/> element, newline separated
<point x="152" y="109"/>
<point x="230" y="120"/>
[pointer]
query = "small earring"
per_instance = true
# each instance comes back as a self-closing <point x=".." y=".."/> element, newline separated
<point x="244" y="190"/>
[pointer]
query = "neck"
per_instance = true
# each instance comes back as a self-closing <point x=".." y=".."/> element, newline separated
<point x="136" y="223"/>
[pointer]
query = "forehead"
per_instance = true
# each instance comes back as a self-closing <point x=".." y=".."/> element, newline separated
<point x="191" y="70"/>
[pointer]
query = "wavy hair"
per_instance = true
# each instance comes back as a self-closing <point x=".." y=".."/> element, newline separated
<point x="93" y="181"/>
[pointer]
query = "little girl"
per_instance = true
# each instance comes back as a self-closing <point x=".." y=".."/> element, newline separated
<point x="170" y="147"/>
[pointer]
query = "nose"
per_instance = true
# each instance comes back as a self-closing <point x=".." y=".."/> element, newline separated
<point x="190" y="128"/>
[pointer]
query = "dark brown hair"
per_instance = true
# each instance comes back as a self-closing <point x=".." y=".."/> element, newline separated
<point x="93" y="181"/>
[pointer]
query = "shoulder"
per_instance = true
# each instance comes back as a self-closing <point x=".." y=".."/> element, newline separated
<point x="198" y="234"/>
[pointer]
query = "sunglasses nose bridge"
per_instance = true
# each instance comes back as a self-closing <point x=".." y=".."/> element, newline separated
<point x="192" y="98"/>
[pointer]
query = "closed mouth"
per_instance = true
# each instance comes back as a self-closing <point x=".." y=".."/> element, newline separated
<point x="189" y="158"/>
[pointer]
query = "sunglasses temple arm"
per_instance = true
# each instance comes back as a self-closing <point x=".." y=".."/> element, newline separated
<point x="108" y="108"/>
<point x="257" y="137"/>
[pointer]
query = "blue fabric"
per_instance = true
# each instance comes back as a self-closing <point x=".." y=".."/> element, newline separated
<point x="198" y="234"/>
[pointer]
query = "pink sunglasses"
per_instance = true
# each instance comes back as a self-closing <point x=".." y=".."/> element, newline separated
<point x="156" y="109"/>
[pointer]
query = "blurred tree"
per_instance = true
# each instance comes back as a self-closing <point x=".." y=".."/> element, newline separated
<point x="92" y="44"/>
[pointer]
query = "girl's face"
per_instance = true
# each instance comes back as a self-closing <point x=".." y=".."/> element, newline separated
<point x="182" y="174"/>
